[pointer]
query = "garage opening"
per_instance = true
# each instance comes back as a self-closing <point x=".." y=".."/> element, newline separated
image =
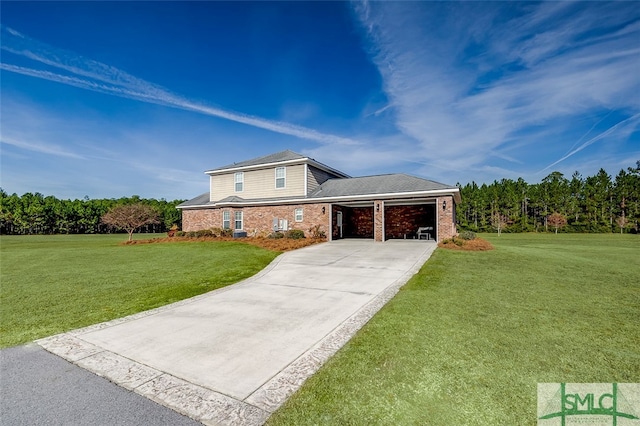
<point x="403" y="221"/>
<point x="352" y="221"/>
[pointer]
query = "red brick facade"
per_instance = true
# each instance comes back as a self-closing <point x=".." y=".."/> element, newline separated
<point x="378" y="224"/>
<point x="402" y="222"/>
<point x="445" y="208"/>
<point x="258" y="221"/>
<point x="377" y="221"/>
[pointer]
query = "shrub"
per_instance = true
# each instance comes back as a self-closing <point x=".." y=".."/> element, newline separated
<point x="192" y="234"/>
<point x="226" y="232"/>
<point x="295" y="234"/>
<point x="180" y="233"/>
<point x="316" y="232"/>
<point x="468" y="235"/>
<point x="276" y="235"/>
<point x="454" y="240"/>
<point x="204" y="233"/>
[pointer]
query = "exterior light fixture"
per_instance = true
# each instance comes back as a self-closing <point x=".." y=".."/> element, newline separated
<point x="444" y="205"/>
<point x="378" y="207"/>
<point x="323" y="209"/>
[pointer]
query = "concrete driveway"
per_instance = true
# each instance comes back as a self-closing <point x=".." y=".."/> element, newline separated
<point x="234" y="355"/>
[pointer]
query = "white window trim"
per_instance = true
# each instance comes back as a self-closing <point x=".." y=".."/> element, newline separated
<point x="241" y="220"/>
<point x="295" y="214"/>
<point x="284" y="177"/>
<point x="226" y="217"/>
<point x="237" y="181"/>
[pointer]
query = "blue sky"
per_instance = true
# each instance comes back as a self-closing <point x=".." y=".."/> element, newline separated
<point x="111" y="99"/>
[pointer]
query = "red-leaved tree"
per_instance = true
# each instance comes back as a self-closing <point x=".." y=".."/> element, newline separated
<point x="131" y="217"/>
<point x="556" y="220"/>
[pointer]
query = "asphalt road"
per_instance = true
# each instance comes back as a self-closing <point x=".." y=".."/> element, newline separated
<point x="39" y="388"/>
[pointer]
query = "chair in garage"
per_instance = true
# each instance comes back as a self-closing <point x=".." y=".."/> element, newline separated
<point x="424" y="232"/>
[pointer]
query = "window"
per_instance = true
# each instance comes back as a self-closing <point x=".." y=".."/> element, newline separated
<point x="238" y="224"/>
<point x="226" y="219"/>
<point x="298" y="215"/>
<point x="239" y="179"/>
<point x="281" y="177"/>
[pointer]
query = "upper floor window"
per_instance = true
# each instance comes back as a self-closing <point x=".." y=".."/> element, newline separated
<point x="281" y="177"/>
<point x="239" y="180"/>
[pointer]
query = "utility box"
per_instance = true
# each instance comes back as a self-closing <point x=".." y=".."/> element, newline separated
<point x="239" y="234"/>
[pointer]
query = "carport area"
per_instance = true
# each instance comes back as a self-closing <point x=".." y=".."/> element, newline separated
<point x="399" y="219"/>
<point x="402" y="221"/>
<point x="353" y="220"/>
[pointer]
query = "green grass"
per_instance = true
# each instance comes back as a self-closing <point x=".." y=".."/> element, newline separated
<point x="51" y="284"/>
<point x="466" y="341"/>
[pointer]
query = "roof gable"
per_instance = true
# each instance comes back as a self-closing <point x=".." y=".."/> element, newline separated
<point x="277" y="157"/>
<point x="283" y="157"/>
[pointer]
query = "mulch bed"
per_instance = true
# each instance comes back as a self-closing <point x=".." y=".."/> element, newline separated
<point x="279" y="244"/>
<point x="477" y="244"/>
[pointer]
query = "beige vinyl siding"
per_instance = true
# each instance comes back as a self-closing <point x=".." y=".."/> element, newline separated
<point x="259" y="184"/>
<point x="316" y="177"/>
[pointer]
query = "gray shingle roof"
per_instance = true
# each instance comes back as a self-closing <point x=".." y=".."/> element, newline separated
<point x="398" y="183"/>
<point x="200" y="200"/>
<point x="271" y="158"/>
<point x="379" y="184"/>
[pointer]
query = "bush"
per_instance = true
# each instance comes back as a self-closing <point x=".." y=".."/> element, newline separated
<point x="468" y="235"/>
<point x="217" y="232"/>
<point x="316" y="232"/>
<point x="204" y="233"/>
<point x="454" y="240"/>
<point x="295" y="234"/>
<point x="276" y="235"/>
<point x="180" y="233"/>
<point x="226" y="233"/>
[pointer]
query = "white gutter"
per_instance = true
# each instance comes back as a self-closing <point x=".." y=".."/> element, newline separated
<point x="455" y="192"/>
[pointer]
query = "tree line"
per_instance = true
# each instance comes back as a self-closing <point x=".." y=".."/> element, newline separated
<point x="34" y="213"/>
<point x="596" y="203"/>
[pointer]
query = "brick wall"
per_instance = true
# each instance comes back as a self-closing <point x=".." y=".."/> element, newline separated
<point x="398" y="220"/>
<point x="404" y="221"/>
<point x="258" y="221"/>
<point x="378" y="220"/>
<point x="195" y="220"/>
<point x="446" y="220"/>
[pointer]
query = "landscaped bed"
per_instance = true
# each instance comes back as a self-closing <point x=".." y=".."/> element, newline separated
<point x="467" y="340"/>
<point x="276" y="244"/>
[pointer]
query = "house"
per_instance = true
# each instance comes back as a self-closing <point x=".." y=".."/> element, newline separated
<point x="286" y="190"/>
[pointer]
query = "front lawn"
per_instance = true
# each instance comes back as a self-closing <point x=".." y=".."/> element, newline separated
<point x="51" y="284"/>
<point x="468" y="339"/>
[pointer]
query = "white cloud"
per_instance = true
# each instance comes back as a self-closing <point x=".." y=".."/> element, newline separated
<point x="467" y="80"/>
<point x="40" y="147"/>
<point x="103" y="78"/>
